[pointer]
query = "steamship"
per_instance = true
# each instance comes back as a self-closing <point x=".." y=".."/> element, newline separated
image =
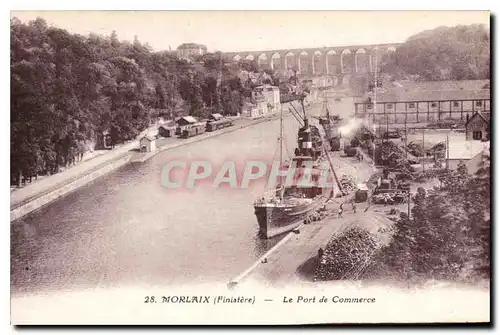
<point x="284" y="208"/>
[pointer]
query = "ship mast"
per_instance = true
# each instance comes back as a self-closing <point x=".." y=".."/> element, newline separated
<point x="281" y="137"/>
<point x="337" y="181"/>
<point x="325" y="106"/>
<point x="219" y="103"/>
<point x="282" y="191"/>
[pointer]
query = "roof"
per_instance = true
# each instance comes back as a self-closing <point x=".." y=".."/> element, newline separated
<point x="441" y="85"/>
<point x="362" y="187"/>
<point x="415" y="96"/>
<point x="466" y="149"/>
<point x="189" y="119"/>
<point x="435" y="91"/>
<point x="427" y="144"/>
<point x="166" y="127"/>
<point x="477" y="114"/>
<point x="191" y="46"/>
<point x="216" y="116"/>
<point x="149" y="138"/>
<point x="439" y="146"/>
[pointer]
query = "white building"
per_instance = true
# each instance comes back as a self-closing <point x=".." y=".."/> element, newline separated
<point x="255" y="110"/>
<point x="469" y="152"/>
<point x="271" y="95"/>
<point x="147" y="144"/>
<point x="189" y="50"/>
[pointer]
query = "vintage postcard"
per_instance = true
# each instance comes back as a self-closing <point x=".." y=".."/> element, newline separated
<point x="250" y="167"/>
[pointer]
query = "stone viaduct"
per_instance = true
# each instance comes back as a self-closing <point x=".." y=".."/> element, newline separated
<point x="340" y="62"/>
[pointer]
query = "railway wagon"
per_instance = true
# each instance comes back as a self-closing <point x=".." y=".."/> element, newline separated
<point x="194" y="130"/>
<point x="166" y="131"/>
<point x="216" y="125"/>
<point x="179" y="130"/>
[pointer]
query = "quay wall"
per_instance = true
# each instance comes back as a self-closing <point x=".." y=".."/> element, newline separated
<point x="49" y="197"/>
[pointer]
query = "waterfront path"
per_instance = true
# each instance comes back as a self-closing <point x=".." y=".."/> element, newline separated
<point x="40" y="187"/>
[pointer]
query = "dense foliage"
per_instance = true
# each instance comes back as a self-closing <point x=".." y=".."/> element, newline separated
<point x="444" y="53"/>
<point x="66" y="88"/>
<point x="448" y="235"/>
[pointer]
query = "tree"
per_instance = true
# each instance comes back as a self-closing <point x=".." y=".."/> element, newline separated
<point x="249" y="65"/>
<point x="444" y="53"/>
<point x="66" y="88"/>
<point x="448" y="233"/>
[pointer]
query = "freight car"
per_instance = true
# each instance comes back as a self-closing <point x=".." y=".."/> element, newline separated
<point x="216" y="125"/>
<point x="193" y="130"/>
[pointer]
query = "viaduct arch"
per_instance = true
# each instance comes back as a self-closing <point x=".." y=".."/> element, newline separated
<point x="340" y="62"/>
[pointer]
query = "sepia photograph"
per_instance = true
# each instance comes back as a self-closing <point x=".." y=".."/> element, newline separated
<point x="250" y="167"/>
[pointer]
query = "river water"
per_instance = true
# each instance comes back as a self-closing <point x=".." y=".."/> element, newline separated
<point x="127" y="229"/>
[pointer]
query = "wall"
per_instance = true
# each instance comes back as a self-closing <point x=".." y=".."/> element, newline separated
<point x="472" y="164"/>
<point x="475" y="163"/>
<point x="453" y="163"/>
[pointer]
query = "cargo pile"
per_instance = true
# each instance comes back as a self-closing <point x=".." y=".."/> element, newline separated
<point x="429" y="174"/>
<point x="348" y="183"/>
<point x="392" y="198"/>
<point x="346" y="255"/>
<point x="316" y="216"/>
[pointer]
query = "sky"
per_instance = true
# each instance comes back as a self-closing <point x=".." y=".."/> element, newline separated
<point x="236" y="31"/>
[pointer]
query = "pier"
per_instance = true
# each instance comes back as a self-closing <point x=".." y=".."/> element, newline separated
<point x="294" y="258"/>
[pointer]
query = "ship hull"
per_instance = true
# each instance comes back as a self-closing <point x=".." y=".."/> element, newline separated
<point x="278" y="219"/>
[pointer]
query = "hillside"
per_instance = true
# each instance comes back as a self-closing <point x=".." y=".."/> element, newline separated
<point x="444" y="53"/>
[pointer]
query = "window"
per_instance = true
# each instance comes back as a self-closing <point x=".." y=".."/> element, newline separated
<point x="479" y="103"/>
<point x="456" y="104"/>
<point x="369" y="106"/>
<point x="477" y="135"/>
<point x="388" y="106"/>
<point x="411" y="105"/>
<point x="433" y="105"/>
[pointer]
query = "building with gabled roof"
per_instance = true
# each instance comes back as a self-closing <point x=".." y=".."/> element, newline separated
<point x="216" y="116"/>
<point x="426" y="102"/>
<point x="186" y="120"/>
<point x="147" y="144"/>
<point x="477" y="127"/>
<point x="469" y="152"/>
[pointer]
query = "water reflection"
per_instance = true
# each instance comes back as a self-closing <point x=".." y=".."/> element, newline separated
<point x="126" y="228"/>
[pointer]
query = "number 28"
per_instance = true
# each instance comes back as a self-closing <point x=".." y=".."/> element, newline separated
<point x="149" y="299"/>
